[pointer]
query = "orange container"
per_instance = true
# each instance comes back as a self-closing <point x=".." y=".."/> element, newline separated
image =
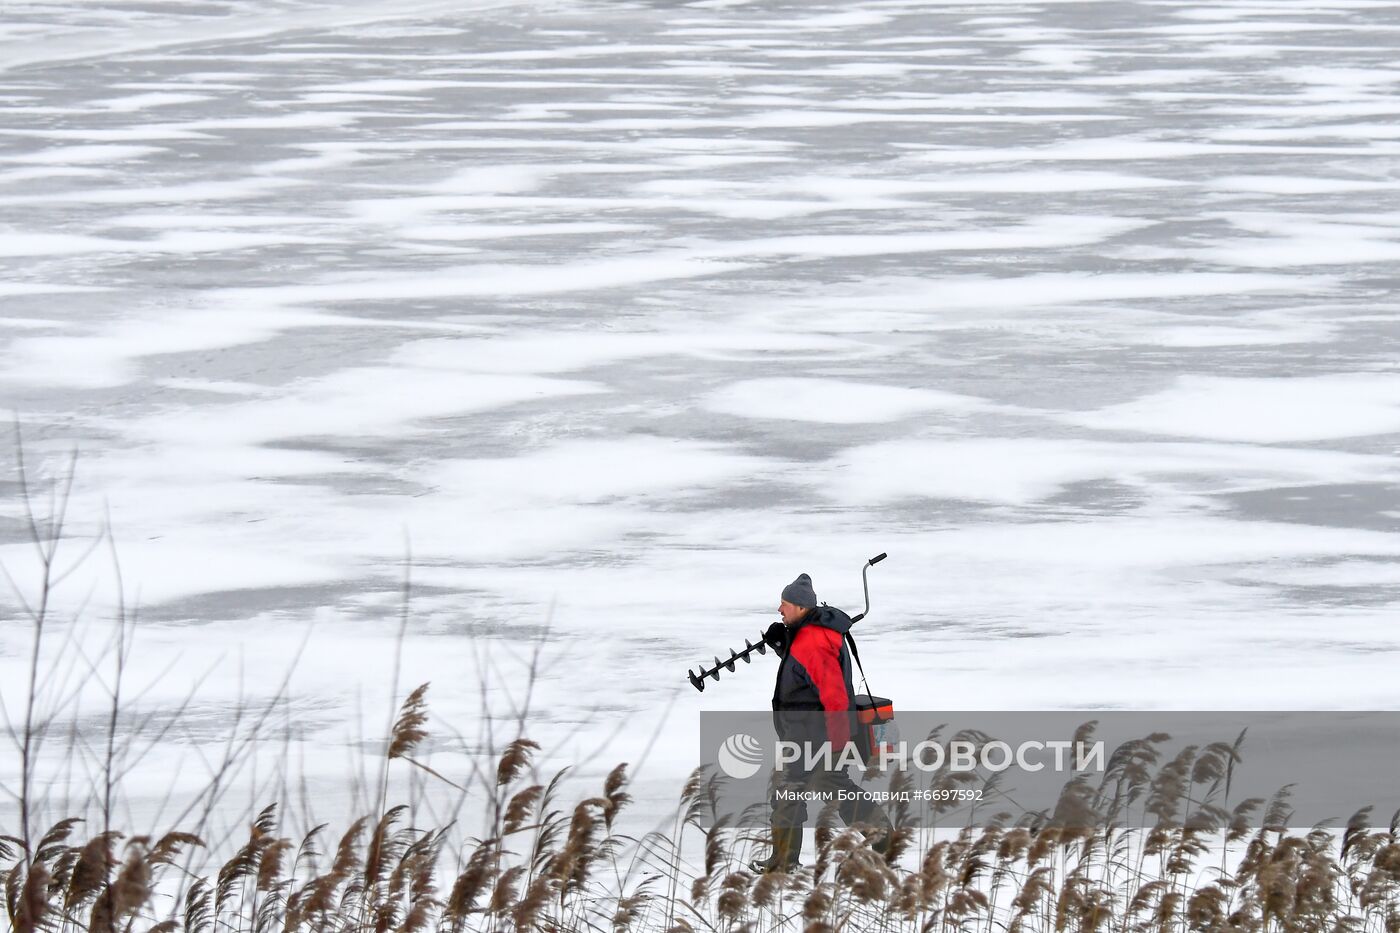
<point x="876" y="718"/>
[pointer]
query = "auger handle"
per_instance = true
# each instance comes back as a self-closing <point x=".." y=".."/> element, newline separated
<point x="865" y="585"/>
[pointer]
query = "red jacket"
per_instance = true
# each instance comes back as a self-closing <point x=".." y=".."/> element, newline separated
<point x="815" y="674"/>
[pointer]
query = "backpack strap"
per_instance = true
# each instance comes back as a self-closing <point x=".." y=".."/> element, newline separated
<point x="855" y="653"/>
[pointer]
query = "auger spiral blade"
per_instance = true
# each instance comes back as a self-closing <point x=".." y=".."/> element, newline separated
<point x="697" y="680"/>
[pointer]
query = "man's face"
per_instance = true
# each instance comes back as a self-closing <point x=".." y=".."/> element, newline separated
<point x="789" y="612"/>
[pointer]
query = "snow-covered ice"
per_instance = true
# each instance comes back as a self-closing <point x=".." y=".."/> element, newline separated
<point x="618" y="315"/>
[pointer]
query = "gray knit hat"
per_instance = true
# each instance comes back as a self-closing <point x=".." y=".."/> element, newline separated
<point x="799" y="592"/>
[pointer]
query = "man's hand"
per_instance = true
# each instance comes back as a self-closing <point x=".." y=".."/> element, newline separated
<point x="777" y="636"/>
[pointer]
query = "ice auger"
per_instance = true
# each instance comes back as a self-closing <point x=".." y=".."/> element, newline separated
<point x="697" y="680"/>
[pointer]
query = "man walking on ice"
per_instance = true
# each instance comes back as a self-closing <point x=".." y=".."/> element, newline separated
<point x="814" y="676"/>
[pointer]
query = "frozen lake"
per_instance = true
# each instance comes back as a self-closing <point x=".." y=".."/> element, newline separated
<point x="621" y="314"/>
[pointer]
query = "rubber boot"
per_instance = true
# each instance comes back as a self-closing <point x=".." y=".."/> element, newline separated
<point x="787" y="850"/>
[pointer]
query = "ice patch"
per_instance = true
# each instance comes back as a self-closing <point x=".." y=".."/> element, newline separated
<point x="115" y="30"/>
<point x="194" y="560"/>
<point x="387" y="86"/>
<point x="20" y="243"/>
<point x="990" y="100"/>
<point x="564" y="352"/>
<point x="1330" y="79"/>
<point x="851" y="20"/>
<point x="250" y="315"/>
<point x="525" y="279"/>
<point x="1046" y="232"/>
<point x="1297" y="109"/>
<point x="1299" y="251"/>
<point x="148" y="101"/>
<point x="19" y="289"/>
<point x="1365" y="132"/>
<point x="1290" y="184"/>
<point x="82" y="155"/>
<point x="1021" y="471"/>
<point x="371" y="401"/>
<point x="505" y="179"/>
<point x="773" y="208"/>
<point x="1240" y="28"/>
<point x="928" y="304"/>
<point x="1264" y="410"/>
<point x="720" y="161"/>
<point x="331" y="97"/>
<point x="853" y="189"/>
<point x="214" y="386"/>
<point x="1298" y="240"/>
<point x="106" y="359"/>
<point x="473" y="231"/>
<point x="1157" y="544"/>
<point x="1225" y="335"/>
<point x="111" y="135"/>
<point x="1109" y="148"/>
<point x="1060" y="58"/>
<point x="593" y="471"/>
<point x="1347" y="573"/>
<point x="400" y="32"/>
<point x="176" y="221"/>
<point x="307" y="120"/>
<point x="834" y="401"/>
<point x="173" y="194"/>
<point x="56" y="171"/>
<point x="817" y="118"/>
<point x="1148" y="77"/>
